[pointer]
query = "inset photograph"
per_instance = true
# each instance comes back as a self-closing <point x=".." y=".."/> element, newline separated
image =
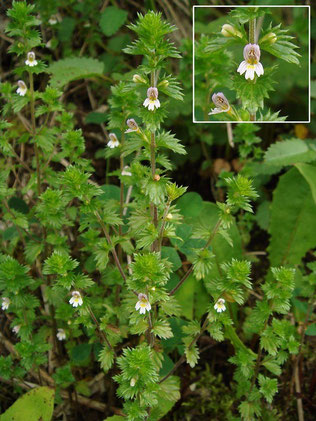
<point x="251" y="64"/>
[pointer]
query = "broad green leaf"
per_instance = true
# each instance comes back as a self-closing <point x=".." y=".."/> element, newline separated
<point x="112" y="19"/>
<point x="168" y="394"/>
<point x="190" y="204"/>
<point x="171" y="254"/>
<point x="292" y="224"/>
<point x="35" y="405"/>
<point x="290" y="151"/>
<point x="311" y="330"/>
<point x="80" y="354"/>
<point x="309" y="173"/>
<point x="73" y="68"/>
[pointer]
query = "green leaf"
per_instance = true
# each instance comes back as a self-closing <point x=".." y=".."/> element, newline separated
<point x="73" y="68"/>
<point x="111" y="20"/>
<point x="290" y="151"/>
<point x="162" y="329"/>
<point x="253" y="93"/>
<point x="106" y="358"/>
<point x="190" y="204"/>
<point x="309" y="173"/>
<point x="292" y="225"/>
<point x="96" y="118"/>
<point x="192" y="355"/>
<point x="80" y="354"/>
<point x="268" y="387"/>
<point x="311" y="330"/>
<point x="35" y="405"/>
<point x="171" y="254"/>
<point x="283" y="47"/>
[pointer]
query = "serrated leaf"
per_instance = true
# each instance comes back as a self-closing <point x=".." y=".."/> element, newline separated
<point x="73" y="68"/>
<point x="290" y="151"/>
<point x="253" y="93"/>
<point x="309" y="173"/>
<point x="192" y="355"/>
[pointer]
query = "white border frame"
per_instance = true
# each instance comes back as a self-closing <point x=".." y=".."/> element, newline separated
<point x="309" y="65"/>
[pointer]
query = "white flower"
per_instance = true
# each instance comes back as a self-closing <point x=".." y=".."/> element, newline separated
<point x="22" y="89"/>
<point x="53" y="20"/>
<point x="126" y="172"/>
<point x="113" y="142"/>
<point x="133" y="382"/>
<point x="220" y="305"/>
<point x="169" y="216"/>
<point x="16" y="329"/>
<point x="221" y="102"/>
<point x="152" y="100"/>
<point x="61" y="334"/>
<point x="31" y="59"/>
<point x="76" y="299"/>
<point x="142" y="304"/>
<point x="5" y="303"/>
<point x="132" y="126"/>
<point x="251" y="64"/>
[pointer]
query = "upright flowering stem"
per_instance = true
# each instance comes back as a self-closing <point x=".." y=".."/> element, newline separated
<point x="153" y="164"/>
<point x="121" y="192"/>
<point x="252" y="40"/>
<point x="33" y="125"/>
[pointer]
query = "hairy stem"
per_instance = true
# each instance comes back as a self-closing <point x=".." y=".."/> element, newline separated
<point x="163" y="224"/>
<point x="33" y="126"/>
<point x="102" y="334"/>
<point x="108" y="238"/>
<point x="153" y="166"/>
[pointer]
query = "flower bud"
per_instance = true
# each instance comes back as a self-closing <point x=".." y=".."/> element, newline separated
<point x="139" y="79"/>
<point x="156" y="177"/>
<point x="230" y="31"/>
<point x="169" y="216"/>
<point x="163" y="84"/>
<point x="269" y="38"/>
<point x="133" y="382"/>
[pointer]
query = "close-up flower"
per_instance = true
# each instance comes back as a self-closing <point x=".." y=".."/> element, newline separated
<point x="132" y="126"/>
<point x="142" y="304"/>
<point x="221" y="102"/>
<point x="61" y="334"/>
<point x="220" y="305"/>
<point x="126" y="171"/>
<point x="76" y="299"/>
<point x="251" y="64"/>
<point x="152" y="101"/>
<point x="5" y="303"/>
<point x="113" y="142"/>
<point x="31" y="61"/>
<point x="22" y="89"/>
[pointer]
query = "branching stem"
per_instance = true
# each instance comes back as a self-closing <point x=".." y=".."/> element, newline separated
<point x="182" y="359"/>
<point x="188" y="273"/>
